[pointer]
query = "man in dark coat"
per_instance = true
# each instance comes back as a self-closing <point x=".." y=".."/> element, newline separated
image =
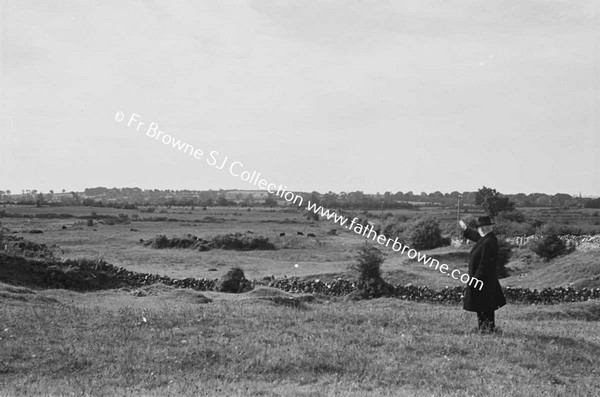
<point x="482" y="265"/>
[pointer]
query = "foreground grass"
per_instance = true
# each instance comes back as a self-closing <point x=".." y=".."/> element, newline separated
<point x="112" y="343"/>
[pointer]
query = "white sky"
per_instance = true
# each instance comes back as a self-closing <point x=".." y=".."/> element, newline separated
<point x="338" y="95"/>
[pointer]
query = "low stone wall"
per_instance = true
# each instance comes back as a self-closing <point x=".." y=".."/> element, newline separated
<point x="89" y="275"/>
<point x="452" y="295"/>
<point x="583" y="242"/>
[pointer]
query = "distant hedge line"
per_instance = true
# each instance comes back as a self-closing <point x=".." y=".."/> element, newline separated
<point x="229" y="241"/>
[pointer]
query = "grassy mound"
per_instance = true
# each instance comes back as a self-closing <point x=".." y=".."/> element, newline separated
<point x="83" y="275"/>
<point x="279" y="297"/>
<point x="579" y="269"/>
<point x="10" y="292"/>
<point x="583" y="311"/>
<point x="188" y="296"/>
<point x="77" y="275"/>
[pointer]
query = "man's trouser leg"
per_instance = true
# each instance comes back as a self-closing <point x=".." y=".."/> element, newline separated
<point x="486" y="320"/>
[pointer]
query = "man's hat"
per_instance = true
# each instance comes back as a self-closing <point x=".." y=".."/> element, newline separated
<point x="484" y="221"/>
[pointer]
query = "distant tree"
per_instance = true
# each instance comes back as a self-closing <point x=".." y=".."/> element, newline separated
<point x="543" y="201"/>
<point x="249" y="201"/>
<point x="561" y="199"/>
<point x="76" y="198"/>
<point x="222" y="201"/>
<point x="270" y="201"/>
<point x="493" y="202"/>
<point x="313" y="199"/>
<point x="39" y="201"/>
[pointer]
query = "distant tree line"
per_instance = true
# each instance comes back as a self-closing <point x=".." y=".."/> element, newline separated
<point x="122" y="197"/>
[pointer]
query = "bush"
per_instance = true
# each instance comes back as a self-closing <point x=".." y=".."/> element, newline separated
<point x="188" y="241"/>
<point x="551" y="245"/>
<point x="90" y="222"/>
<point x="370" y="283"/>
<point x="369" y="263"/>
<point x="238" y="241"/>
<point x="426" y="234"/>
<point x="234" y="281"/>
<point x="396" y="226"/>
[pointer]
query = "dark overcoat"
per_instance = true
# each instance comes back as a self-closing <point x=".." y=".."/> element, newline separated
<point x="482" y="266"/>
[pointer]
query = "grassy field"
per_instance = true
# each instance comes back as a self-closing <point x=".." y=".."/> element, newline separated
<point x="162" y="341"/>
<point x="172" y="343"/>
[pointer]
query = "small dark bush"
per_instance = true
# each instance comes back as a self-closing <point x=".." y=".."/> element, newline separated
<point x="370" y="283"/>
<point x="396" y="226"/>
<point x="188" y="241"/>
<point x="231" y="241"/>
<point x="426" y="234"/>
<point x="234" y="281"/>
<point x="90" y="222"/>
<point x="369" y="263"/>
<point x="551" y="245"/>
<point x="241" y="242"/>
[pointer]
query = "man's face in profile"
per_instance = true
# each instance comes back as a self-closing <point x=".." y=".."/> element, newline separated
<point x="483" y="230"/>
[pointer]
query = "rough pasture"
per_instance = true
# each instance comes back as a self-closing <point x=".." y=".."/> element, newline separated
<point x="160" y="340"/>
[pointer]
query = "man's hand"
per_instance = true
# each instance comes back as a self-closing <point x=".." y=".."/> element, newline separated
<point x="462" y="225"/>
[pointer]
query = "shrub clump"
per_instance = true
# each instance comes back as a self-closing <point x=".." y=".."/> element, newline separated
<point x="188" y="241"/>
<point x="234" y="281"/>
<point x="230" y="241"/>
<point x="551" y="245"/>
<point x="370" y="283"/>
<point x="241" y="242"/>
<point x="396" y="226"/>
<point x="426" y="234"/>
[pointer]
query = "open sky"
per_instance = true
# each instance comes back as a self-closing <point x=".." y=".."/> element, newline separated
<point x="340" y="95"/>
